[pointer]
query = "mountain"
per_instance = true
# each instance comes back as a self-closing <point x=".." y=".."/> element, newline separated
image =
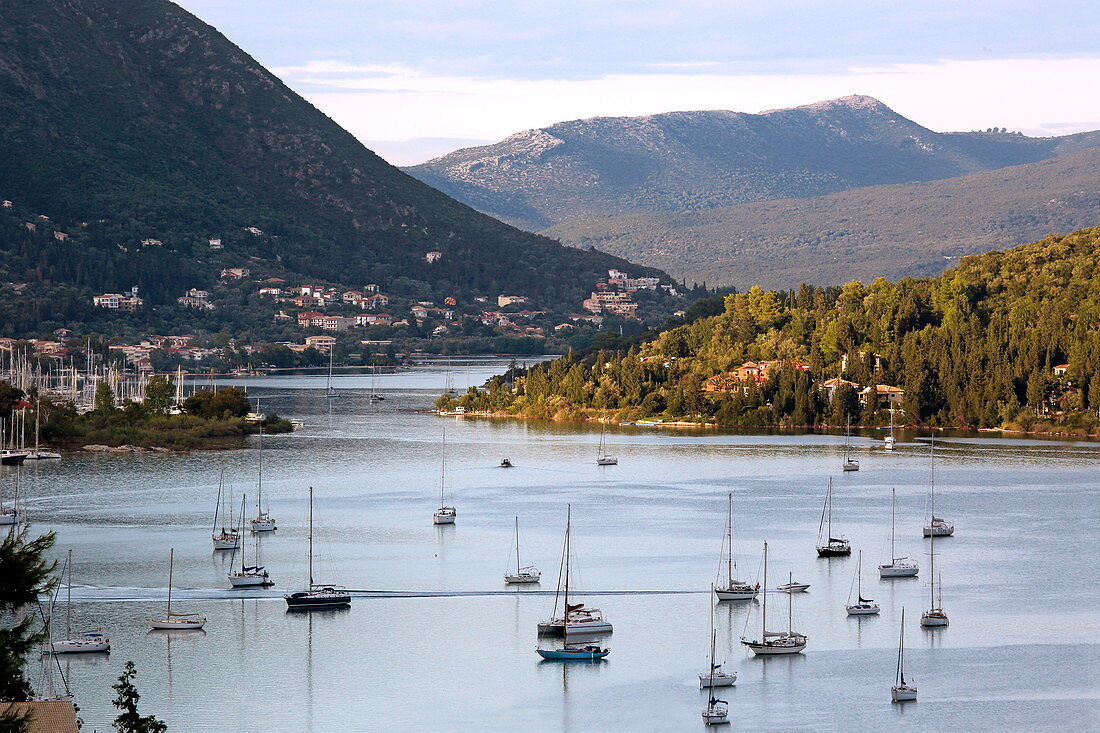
<point x="126" y="120"/>
<point x="685" y="161"/>
<point x="891" y="231"/>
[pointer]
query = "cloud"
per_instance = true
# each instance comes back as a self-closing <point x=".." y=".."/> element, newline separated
<point x="393" y="102"/>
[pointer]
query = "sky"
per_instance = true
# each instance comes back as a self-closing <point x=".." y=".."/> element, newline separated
<point x="413" y="79"/>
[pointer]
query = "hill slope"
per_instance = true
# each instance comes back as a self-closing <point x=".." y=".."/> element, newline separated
<point x="132" y="119"/>
<point x="683" y="161"/>
<point x="891" y="231"/>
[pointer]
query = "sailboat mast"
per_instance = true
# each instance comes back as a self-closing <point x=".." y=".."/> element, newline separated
<point x="901" y="650"/>
<point x="171" y="565"/>
<point x="893" y="508"/>
<point x="932" y="475"/>
<point x="517" y="545"/>
<point x="568" y="530"/>
<point x="218" y="506"/>
<point x="932" y="571"/>
<point x="764" y="611"/>
<point x="829" y="501"/>
<point x="311" y="538"/>
<point x="69" y="599"/>
<point x="790" y="604"/>
<point x="729" y="538"/>
<point x="859" y="578"/>
<point x="244" y="498"/>
<point x="442" y="467"/>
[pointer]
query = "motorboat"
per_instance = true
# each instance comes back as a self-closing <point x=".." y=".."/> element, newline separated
<point x="793" y="587"/>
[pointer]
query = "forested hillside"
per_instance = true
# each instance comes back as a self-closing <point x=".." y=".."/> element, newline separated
<point x="131" y="120"/>
<point x="974" y="347"/>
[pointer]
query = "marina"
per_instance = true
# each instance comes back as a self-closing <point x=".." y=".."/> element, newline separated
<point x="647" y="533"/>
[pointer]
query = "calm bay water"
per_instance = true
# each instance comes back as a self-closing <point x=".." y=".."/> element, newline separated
<point x="435" y="642"/>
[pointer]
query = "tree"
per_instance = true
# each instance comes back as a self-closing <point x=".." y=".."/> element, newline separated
<point x="24" y="575"/>
<point x="158" y="395"/>
<point x="129" y="721"/>
<point x="104" y="398"/>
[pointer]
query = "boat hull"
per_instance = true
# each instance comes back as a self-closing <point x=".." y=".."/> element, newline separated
<point x="715" y="718"/>
<point x="12" y="459"/>
<point x="250" y="581"/>
<point x="522" y="579"/>
<point x="443" y="518"/>
<point x="576" y="628"/>
<point x="43" y="456"/>
<point x="834" y="551"/>
<point x="766" y="650"/>
<point x="793" y="587"/>
<point x="170" y="624"/>
<point x="716" y="680"/>
<point x="897" y="571"/>
<point x="77" y="646"/>
<point x="903" y="694"/>
<point x="933" y="620"/>
<point x="220" y="544"/>
<point x="6" y="519"/>
<point x="862" y="610"/>
<point x="725" y="594"/>
<point x="571" y="655"/>
<point x="850" y="467"/>
<point x="263" y="525"/>
<point x="939" y="531"/>
<point x="607" y="461"/>
<point x="313" y="601"/>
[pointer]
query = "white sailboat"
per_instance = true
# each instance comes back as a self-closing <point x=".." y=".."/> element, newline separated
<point x="263" y="521"/>
<point x="937" y="526"/>
<point x="717" y="711"/>
<point x="330" y="391"/>
<point x="902" y="691"/>
<point x="444" y="514"/>
<point x="935" y="615"/>
<point x="38" y="454"/>
<point x="715" y="677"/>
<point x="569" y="623"/>
<point x="732" y="589"/>
<point x="776" y="642"/>
<point x="889" y="441"/>
<point x="898" y="567"/>
<point x="524" y="574"/>
<point x="172" y="620"/>
<point x="318" y="595"/>
<point x="227" y="538"/>
<point x="89" y="641"/>
<point x="250" y="576"/>
<point x="862" y="606"/>
<point x="603" y="458"/>
<point x="827" y="544"/>
<point x="850" y="464"/>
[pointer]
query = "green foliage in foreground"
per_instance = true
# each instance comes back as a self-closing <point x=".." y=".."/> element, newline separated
<point x="974" y="347"/>
<point x="24" y="575"/>
<point x="129" y="720"/>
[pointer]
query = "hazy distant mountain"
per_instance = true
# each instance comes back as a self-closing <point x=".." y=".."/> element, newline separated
<point x="683" y="161"/>
<point x="141" y="121"/>
<point x="893" y="231"/>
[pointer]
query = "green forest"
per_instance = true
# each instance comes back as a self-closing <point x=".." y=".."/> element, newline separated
<point x="975" y="347"/>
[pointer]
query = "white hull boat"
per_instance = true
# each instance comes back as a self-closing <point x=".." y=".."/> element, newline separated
<point x="263" y="523"/>
<point x="772" y="642"/>
<point x="716" y="713"/>
<point x="862" y="606"/>
<point x="939" y="528"/>
<point x="602" y="457"/>
<point x="250" y="579"/>
<point x="522" y="578"/>
<point x="170" y="624"/>
<point x="903" y="693"/>
<point x="445" y="515"/>
<point x="556" y="626"/>
<point x="227" y="541"/>
<point x="730" y="588"/>
<point x="718" y="679"/>
<point x="888" y="442"/>
<point x="793" y="587"/>
<point x="607" y="461"/>
<point x="87" y="644"/>
<point x="850" y="466"/>
<point x="863" y="609"/>
<point x="935" y="617"/>
<point x="782" y="645"/>
<point x="35" y="455"/>
<point x="898" y="569"/>
<point x="171" y="620"/>
<point x="743" y="592"/>
<point x="8" y="517"/>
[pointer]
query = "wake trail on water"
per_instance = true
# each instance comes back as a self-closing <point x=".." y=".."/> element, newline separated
<point x="147" y="595"/>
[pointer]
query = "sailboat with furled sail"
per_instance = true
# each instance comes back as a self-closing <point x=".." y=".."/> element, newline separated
<point x="898" y="567"/>
<point x="603" y="458"/>
<point x="229" y="538"/>
<point x="937" y="526"/>
<point x="444" y="514"/>
<point x="263" y="522"/>
<point x="173" y="620"/>
<point x="862" y="606"/>
<point x="572" y="651"/>
<point x="732" y="589"/>
<point x="89" y="641"/>
<point x="317" y="595"/>
<point x="250" y="576"/>
<point x="525" y="574"/>
<point x="902" y="691"/>
<point x="715" y="677"/>
<point x="827" y="544"/>
<point x="776" y="642"/>
<point x="934" y="616"/>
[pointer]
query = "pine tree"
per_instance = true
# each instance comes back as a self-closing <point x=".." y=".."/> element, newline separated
<point x="129" y="720"/>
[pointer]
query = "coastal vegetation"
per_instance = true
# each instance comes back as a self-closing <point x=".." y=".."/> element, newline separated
<point x="1005" y="339"/>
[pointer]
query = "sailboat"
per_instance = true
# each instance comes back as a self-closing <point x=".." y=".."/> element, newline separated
<point x="732" y="589"/>
<point x="330" y="391"/>
<point x="715" y="677"/>
<point x="444" y="514"/>
<point x="318" y="595"/>
<point x="776" y="642"/>
<point x="889" y="441"/>
<point x="572" y="651"/>
<point x="901" y="691"/>
<point x="10" y="456"/>
<point x="937" y="526"/>
<point x="263" y="521"/>
<point x="603" y="458"/>
<point x="898" y="567"/>
<point x="934" y="616"/>
<point x="89" y="641"/>
<point x="717" y="711"/>
<point x="171" y="619"/>
<point x="37" y="454"/>
<point x="523" y="574"/>
<point x="850" y="464"/>
<point x="226" y="539"/>
<point x="827" y="545"/>
<point x="250" y="576"/>
<point x="862" y="606"/>
<point x="374" y="396"/>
